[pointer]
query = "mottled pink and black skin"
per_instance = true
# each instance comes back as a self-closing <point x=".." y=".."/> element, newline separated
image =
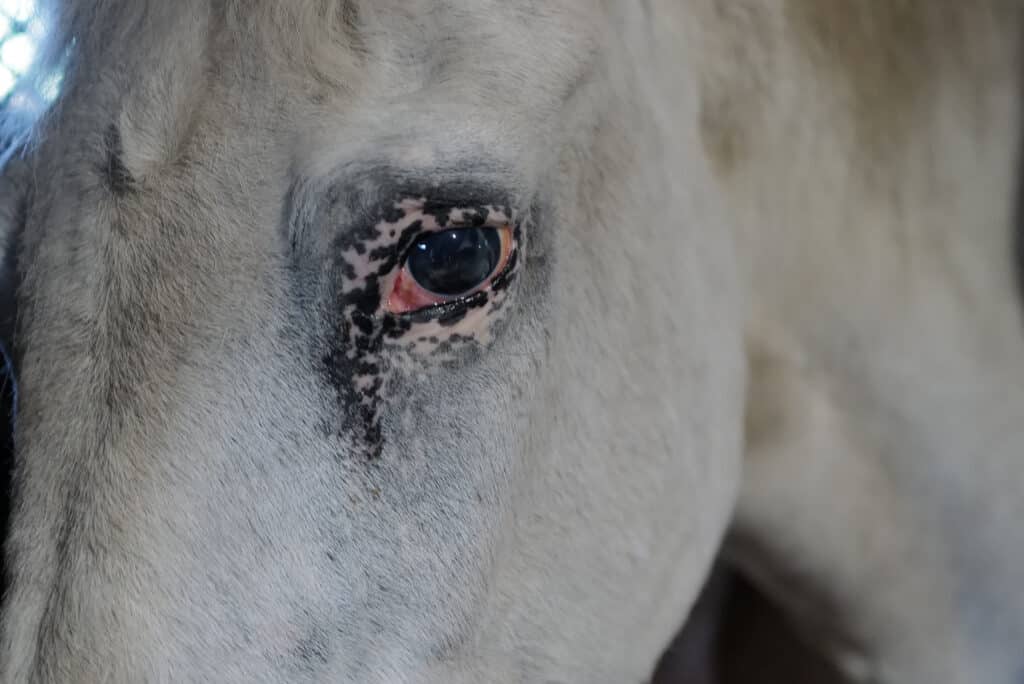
<point x="371" y="344"/>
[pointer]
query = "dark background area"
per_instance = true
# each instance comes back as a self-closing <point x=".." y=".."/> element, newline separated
<point x="736" y="636"/>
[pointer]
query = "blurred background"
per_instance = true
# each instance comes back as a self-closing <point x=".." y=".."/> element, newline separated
<point x="736" y="636"/>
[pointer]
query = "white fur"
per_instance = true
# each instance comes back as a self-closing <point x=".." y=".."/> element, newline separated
<point x="718" y="237"/>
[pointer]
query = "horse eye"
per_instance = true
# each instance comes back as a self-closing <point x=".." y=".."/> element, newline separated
<point x="453" y="262"/>
<point x="444" y="265"/>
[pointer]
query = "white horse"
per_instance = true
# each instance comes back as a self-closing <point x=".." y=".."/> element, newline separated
<point x="450" y="340"/>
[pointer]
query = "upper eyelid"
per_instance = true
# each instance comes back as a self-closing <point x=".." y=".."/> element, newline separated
<point x="373" y="190"/>
<point x="460" y="225"/>
<point x="324" y="213"/>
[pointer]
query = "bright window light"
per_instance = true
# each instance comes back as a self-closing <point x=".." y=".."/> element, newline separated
<point x="7" y="81"/>
<point x="20" y="33"/>
<point x="17" y="52"/>
<point x="18" y="10"/>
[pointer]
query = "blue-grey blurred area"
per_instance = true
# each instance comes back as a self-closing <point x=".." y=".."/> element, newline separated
<point x="21" y="32"/>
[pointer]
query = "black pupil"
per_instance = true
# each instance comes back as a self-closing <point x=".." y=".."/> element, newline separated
<point x="453" y="262"/>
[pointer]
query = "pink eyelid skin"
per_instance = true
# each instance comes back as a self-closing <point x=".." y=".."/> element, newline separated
<point x="407" y="296"/>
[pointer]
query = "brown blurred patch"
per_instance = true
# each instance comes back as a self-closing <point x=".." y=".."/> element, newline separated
<point x="736" y="636"/>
